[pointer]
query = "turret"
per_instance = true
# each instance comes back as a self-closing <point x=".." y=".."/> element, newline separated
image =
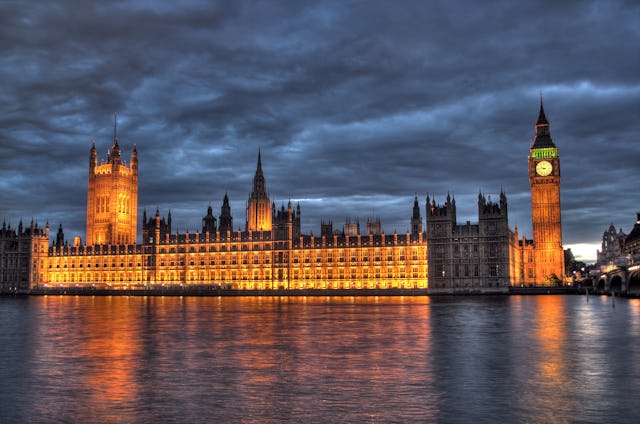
<point x="447" y="210"/>
<point x="258" y="179"/>
<point x="487" y="208"/>
<point x="93" y="156"/>
<point x="503" y="202"/>
<point x="326" y="228"/>
<point x="209" y="222"/>
<point x="114" y="154"/>
<point x="60" y="237"/>
<point x="226" y="220"/>
<point x="134" y="159"/>
<point x="416" y="219"/>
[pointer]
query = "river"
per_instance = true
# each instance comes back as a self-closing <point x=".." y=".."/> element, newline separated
<point x="127" y="359"/>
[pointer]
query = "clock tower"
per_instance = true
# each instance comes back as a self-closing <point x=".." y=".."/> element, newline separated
<point x="544" y="178"/>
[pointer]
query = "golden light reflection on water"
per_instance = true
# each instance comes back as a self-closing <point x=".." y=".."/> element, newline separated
<point x="551" y="334"/>
<point x="91" y="346"/>
<point x="111" y="348"/>
<point x="324" y="359"/>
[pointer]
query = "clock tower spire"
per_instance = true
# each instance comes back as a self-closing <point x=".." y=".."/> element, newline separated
<point x="544" y="179"/>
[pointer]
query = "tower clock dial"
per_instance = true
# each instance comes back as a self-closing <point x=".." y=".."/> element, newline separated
<point x="544" y="168"/>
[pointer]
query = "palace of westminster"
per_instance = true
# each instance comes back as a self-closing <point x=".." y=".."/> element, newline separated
<point x="272" y="253"/>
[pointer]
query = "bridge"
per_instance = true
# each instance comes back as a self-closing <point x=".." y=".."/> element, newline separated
<point x="619" y="279"/>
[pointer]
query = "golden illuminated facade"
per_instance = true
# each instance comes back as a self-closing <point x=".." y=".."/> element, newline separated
<point x="258" y="206"/>
<point x="112" y="200"/>
<point x="273" y="253"/>
<point x="277" y="258"/>
<point x="544" y="178"/>
<point x="245" y="260"/>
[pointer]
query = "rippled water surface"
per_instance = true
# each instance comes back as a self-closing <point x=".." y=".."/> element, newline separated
<point x="319" y="360"/>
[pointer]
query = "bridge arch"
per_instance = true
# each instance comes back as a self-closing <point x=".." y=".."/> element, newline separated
<point x="615" y="286"/>
<point x="634" y="282"/>
<point x="602" y="283"/>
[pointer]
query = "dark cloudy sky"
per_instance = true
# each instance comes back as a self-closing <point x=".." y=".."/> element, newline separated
<point x="358" y="106"/>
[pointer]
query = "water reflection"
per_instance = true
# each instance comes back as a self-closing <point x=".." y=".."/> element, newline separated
<point x="320" y="359"/>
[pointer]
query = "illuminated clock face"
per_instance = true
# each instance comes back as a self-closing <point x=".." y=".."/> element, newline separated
<point x="544" y="168"/>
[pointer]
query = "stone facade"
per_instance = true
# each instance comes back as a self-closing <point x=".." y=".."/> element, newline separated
<point x="474" y="257"/>
<point x="23" y="255"/>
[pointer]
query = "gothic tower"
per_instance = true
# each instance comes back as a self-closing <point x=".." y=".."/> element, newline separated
<point x="544" y="178"/>
<point x="416" y="220"/>
<point x="209" y="222"/>
<point x="259" y="205"/>
<point x="112" y="201"/>
<point x="226" y="220"/>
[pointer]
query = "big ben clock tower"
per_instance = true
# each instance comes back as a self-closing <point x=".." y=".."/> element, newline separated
<point x="544" y="177"/>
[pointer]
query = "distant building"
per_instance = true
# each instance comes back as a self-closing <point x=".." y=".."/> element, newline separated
<point x="612" y="246"/>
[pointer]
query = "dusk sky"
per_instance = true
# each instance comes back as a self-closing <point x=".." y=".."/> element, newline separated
<point x="357" y="107"/>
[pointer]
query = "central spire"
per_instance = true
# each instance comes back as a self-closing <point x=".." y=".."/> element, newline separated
<point x="259" y="206"/>
<point x="259" y="169"/>
<point x="115" y="149"/>
<point x="115" y="129"/>
<point x="259" y="188"/>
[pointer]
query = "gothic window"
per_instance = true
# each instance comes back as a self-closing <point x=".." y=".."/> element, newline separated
<point x="494" y="270"/>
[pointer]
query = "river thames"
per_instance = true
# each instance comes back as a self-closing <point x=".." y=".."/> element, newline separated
<point x="468" y="359"/>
